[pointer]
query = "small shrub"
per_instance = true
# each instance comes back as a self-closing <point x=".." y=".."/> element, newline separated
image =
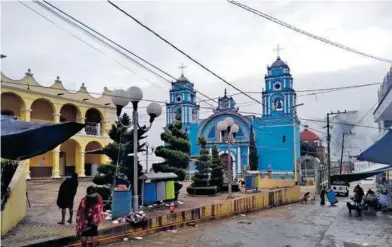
<point x="211" y="190"/>
<point x="234" y="187"/>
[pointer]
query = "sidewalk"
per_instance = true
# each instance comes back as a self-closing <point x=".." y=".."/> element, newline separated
<point x="40" y="224"/>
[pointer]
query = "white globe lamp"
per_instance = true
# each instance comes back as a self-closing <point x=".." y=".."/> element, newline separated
<point x="235" y="128"/>
<point x="222" y="126"/>
<point x="154" y="110"/>
<point x="229" y="121"/>
<point x="120" y="98"/>
<point x="135" y="95"/>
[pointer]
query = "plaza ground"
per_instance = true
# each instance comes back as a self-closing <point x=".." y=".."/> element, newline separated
<point x="40" y="224"/>
<point x="295" y="225"/>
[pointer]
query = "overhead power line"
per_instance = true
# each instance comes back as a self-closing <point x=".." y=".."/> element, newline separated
<point x="102" y="41"/>
<point x="317" y="91"/>
<point x="77" y="37"/>
<point x="182" y="52"/>
<point x="284" y="24"/>
<point x="115" y="43"/>
<point x="107" y="44"/>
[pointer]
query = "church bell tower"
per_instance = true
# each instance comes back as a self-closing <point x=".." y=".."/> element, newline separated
<point x="279" y="97"/>
<point x="182" y="105"/>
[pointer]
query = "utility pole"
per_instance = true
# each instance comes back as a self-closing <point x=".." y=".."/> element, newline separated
<point x="341" y="154"/>
<point x="329" y="144"/>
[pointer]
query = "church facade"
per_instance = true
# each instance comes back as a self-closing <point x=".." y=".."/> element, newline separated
<point x="276" y="128"/>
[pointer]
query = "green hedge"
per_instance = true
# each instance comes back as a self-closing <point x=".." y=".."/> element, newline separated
<point x="211" y="190"/>
<point x="234" y="187"/>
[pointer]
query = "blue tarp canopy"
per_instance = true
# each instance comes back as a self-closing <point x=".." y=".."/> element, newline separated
<point x="22" y="140"/>
<point x="380" y="152"/>
<point x="366" y="173"/>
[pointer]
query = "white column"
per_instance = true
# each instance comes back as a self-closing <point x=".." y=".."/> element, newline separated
<point x="234" y="161"/>
<point x="28" y="169"/>
<point x="98" y="129"/>
<point x="239" y="162"/>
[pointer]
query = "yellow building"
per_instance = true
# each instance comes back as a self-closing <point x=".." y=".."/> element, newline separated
<point x="30" y="101"/>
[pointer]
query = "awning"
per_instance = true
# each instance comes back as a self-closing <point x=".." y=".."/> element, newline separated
<point x="22" y="140"/>
<point x="379" y="152"/>
<point x="369" y="172"/>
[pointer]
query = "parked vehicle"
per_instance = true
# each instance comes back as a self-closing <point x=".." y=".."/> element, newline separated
<point x="341" y="187"/>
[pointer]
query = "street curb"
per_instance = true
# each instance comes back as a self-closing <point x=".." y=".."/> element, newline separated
<point x="228" y="208"/>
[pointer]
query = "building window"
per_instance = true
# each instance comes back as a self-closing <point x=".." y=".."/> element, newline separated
<point x="178" y="98"/>
<point x="283" y="138"/>
<point x="277" y="85"/>
<point x="278" y="104"/>
<point x="194" y="115"/>
<point x="177" y="114"/>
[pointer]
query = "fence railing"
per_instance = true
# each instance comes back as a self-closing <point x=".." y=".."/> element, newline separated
<point x="34" y="120"/>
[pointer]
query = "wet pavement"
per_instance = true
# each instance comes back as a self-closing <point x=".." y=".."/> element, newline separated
<point x="295" y="225"/>
<point x="40" y="223"/>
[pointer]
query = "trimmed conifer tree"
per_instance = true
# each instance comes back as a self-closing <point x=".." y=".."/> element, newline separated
<point x="118" y="150"/>
<point x="175" y="153"/>
<point x="253" y="157"/>
<point x="200" y="178"/>
<point x="216" y="168"/>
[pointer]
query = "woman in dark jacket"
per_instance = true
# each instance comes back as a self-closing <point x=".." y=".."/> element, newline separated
<point x="322" y="195"/>
<point x="65" y="198"/>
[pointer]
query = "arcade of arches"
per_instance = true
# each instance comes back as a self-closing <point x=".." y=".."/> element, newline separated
<point x="72" y="155"/>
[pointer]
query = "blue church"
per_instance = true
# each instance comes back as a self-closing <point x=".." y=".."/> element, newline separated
<point x="276" y="129"/>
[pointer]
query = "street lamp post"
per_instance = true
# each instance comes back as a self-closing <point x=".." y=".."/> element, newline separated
<point x="148" y="148"/>
<point x="228" y="128"/>
<point x="120" y="99"/>
<point x="294" y="141"/>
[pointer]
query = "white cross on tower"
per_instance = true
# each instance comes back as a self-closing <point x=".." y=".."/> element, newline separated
<point x="182" y="67"/>
<point x="278" y="49"/>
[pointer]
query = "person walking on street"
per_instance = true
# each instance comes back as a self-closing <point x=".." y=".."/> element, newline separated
<point x="66" y="196"/>
<point x="89" y="216"/>
<point x="322" y="195"/>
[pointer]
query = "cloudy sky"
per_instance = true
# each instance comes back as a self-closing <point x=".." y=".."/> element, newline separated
<point x="230" y="41"/>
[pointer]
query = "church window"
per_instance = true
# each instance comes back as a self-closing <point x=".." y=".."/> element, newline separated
<point x="225" y="104"/>
<point x="277" y="85"/>
<point x="283" y="138"/>
<point x="278" y="104"/>
<point x="177" y="114"/>
<point x="178" y="98"/>
<point x="194" y="115"/>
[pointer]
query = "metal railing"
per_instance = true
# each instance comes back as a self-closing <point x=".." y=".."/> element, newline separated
<point x="93" y="129"/>
<point x="34" y="120"/>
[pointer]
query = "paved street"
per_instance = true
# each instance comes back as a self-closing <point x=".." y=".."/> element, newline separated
<point x="41" y="220"/>
<point x="292" y="225"/>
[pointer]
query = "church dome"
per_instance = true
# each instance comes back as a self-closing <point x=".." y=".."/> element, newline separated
<point x="182" y="79"/>
<point x="279" y="63"/>
<point x="308" y="135"/>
